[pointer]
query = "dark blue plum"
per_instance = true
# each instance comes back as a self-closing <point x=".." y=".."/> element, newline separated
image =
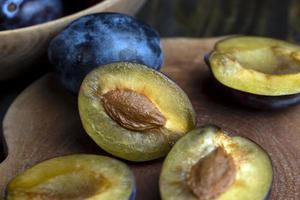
<point x="100" y="39"/>
<point x="21" y="13"/>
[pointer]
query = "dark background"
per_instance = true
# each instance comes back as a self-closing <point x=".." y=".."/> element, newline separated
<point x="196" y="18"/>
<point x="206" y="18"/>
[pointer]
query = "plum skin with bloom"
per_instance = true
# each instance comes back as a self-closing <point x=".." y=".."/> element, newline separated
<point x="21" y="13"/>
<point x="100" y="39"/>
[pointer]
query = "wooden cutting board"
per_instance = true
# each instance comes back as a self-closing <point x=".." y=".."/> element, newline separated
<point x="43" y="123"/>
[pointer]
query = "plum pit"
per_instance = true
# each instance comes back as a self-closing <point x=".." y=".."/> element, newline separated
<point x="212" y="175"/>
<point x="132" y="110"/>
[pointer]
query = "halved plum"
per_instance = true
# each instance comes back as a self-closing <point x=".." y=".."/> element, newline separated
<point x="259" y="72"/>
<point x="74" y="177"/>
<point x="207" y="164"/>
<point x="134" y="112"/>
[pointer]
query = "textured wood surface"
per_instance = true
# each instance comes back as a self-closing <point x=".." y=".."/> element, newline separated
<point x="21" y="48"/>
<point x="43" y="122"/>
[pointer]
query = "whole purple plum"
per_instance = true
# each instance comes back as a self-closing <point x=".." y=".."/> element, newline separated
<point x="100" y="39"/>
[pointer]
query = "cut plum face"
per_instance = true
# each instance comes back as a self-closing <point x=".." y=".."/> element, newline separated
<point x="265" y="55"/>
<point x="134" y="112"/>
<point x="74" y="177"/>
<point x="207" y="164"/>
<point x="260" y="66"/>
<point x="256" y="68"/>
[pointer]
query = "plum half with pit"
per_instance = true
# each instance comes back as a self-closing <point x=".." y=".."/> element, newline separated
<point x="259" y="72"/>
<point x="208" y="164"/>
<point x="134" y="112"/>
<point x="100" y="39"/>
<point x="21" y="13"/>
<point x="74" y="177"/>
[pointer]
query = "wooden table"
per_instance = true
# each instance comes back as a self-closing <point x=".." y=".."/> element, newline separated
<point x="44" y="123"/>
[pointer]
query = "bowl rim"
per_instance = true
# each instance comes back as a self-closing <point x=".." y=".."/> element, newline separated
<point x="61" y="19"/>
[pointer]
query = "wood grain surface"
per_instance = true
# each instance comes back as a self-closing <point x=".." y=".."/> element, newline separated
<point x="21" y="48"/>
<point x="43" y="122"/>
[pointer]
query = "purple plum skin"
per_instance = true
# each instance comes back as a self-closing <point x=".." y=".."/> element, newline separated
<point x="100" y="39"/>
<point x="22" y="13"/>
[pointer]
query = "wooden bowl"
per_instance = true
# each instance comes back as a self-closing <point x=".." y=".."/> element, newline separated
<point x="20" y="49"/>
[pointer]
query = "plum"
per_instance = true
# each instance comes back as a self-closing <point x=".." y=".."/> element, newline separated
<point x="259" y="72"/>
<point x="100" y="39"/>
<point x="21" y="13"/>
<point x="134" y="112"/>
<point x="208" y="164"/>
<point x="74" y="177"/>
